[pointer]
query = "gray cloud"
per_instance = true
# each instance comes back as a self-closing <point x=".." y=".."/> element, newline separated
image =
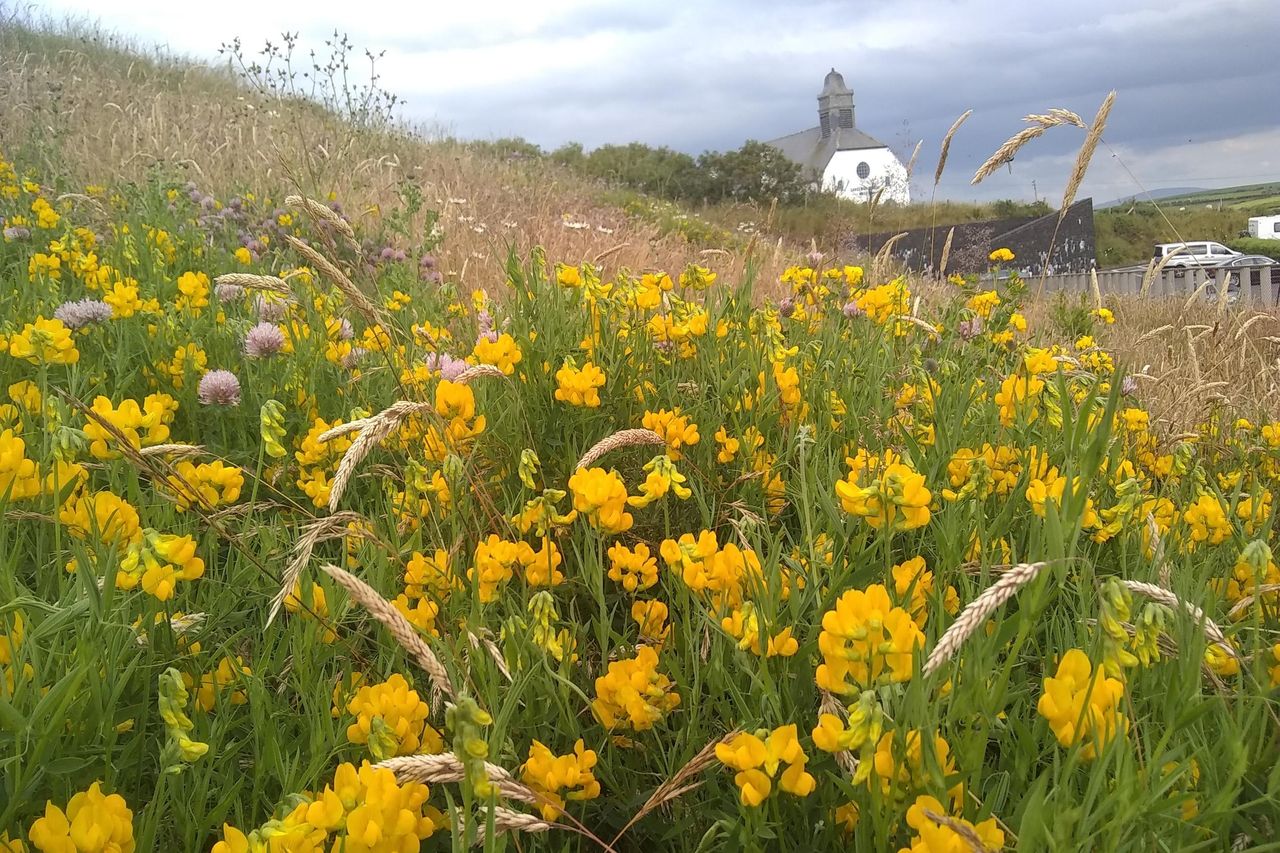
<point x="713" y="74"/>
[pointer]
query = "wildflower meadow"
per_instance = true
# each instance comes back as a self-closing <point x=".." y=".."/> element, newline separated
<point x="305" y="545"/>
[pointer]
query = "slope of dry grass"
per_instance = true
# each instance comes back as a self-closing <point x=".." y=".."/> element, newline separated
<point x="91" y="107"/>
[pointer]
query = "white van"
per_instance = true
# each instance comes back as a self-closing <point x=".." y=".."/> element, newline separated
<point x="1193" y="254"/>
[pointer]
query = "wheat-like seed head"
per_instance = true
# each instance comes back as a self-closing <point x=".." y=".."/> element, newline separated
<point x="680" y="783"/>
<point x="354" y="295"/>
<point x="179" y="451"/>
<point x="177" y="624"/>
<point x="475" y="371"/>
<point x="249" y="281"/>
<point x="320" y="530"/>
<point x="946" y="254"/>
<point x="832" y="705"/>
<point x="977" y="611"/>
<point x="403" y="632"/>
<point x="447" y="767"/>
<point x="961" y="829"/>
<point x="911" y="164"/>
<point x="1005" y="152"/>
<point x="323" y="213"/>
<point x="882" y="256"/>
<point x="509" y="820"/>
<point x="1086" y="153"/>
<point x="1245" y="603"/>
<point x="1163" y="596"/>
<point x="621" y="438"/>
<point x="373" y="430"/>
<point x="946" y="146"/>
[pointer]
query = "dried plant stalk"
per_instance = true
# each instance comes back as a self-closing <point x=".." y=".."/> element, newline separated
<point x="911" y="164"/>
<point x="946" y="146"/>
<point x="492" y="648"/>
<point x="475" y="371"/>
<point x="403" y="632"/>
<point x="977" y="611"/>
<point x="679" y="784"/>
<point x="372" y="433"/>
<point x="946" y="254"/>
<point x="249" y="281"/>
<point x="1039" y="124"/>
<point x="621" y="438"/>
<point x="447" y="767"/>
<point x="177" y="624"/>
<point x="324" y="213"/>
<point x="1243" y="604"/>
<point x="959" y="828"/>
<point x="320" y="530"/>
<point x="1086" y="153"/>
<point x="177" y="450"/>
<point x="831" y="705"/>
<point x="354" y="295"/>
<point x="882" y="256"/>
<point x="1163" y="596"/>
<point x="509" y="820"/>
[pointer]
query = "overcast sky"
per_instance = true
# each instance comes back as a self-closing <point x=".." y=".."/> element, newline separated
<point x="1198" y="82"/>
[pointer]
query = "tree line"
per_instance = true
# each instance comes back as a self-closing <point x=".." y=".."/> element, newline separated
<point x="754" y="172"/>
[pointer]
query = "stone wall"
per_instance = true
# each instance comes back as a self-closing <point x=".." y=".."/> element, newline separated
<point x="1028" y="237"/>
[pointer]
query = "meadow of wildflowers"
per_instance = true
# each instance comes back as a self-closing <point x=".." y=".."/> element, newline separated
<point x="303" y="546"/>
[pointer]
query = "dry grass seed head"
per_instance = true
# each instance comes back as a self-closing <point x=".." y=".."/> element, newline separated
<point x="403" y="632"/>
<point x="620" y="439"/>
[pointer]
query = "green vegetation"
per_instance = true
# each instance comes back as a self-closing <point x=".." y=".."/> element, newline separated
<point x="1252" y="199"/>
<point x="754" y="172"/>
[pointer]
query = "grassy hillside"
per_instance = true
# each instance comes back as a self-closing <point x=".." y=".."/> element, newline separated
<point x="1250" y="199"/>
<point x="88" y="107"/>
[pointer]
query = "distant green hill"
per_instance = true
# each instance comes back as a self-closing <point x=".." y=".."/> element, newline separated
<point x="1253" y="199"/>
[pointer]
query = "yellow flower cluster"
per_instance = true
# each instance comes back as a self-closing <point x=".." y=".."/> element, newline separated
<point x="723" y="576"/>
<point x="633" y="694"/>
<point x="579" y="386"/>
<point x="212" y="687"/>
<point x="44" y="342"/>
<point x="93" y="821"/>
<point x="1083" y="705"/>
<point x="866" y="641"/>
<point x="757" y="758"/>
<point x="661" y="478"/>
<point x="889" y="495"/>
<point x="101" y="516"/>
<point x="141" y="426"/>
<point x="503" y="353"/>
<point x="193" y="290"/>
<point x="19" y="476"/>
<point x="676" y="430"/>
<point x="938" y="832"/>
<point x="391" y="719"/>
<point x="601" y="497"/>
<point x="158" y="562"/>
<point x="363" y="810"/>
<point x="549" y="774"/>
<point x="207" y="485"/>
<point x="632" y="568"/>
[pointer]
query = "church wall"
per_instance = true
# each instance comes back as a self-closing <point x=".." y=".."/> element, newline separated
<point x="841" y="175"/>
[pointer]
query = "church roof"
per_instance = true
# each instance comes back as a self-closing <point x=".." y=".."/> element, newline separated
<point x="813" y="153"/>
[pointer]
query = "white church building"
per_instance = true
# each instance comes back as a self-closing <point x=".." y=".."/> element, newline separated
<point x="842" y="159"/>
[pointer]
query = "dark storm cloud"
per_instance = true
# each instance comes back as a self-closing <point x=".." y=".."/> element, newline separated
<point x="711" y="76"/>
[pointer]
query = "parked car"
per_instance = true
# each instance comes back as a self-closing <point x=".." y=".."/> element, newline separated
<point x="1232" y="268"/>
<point x="1198" y="253"/>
